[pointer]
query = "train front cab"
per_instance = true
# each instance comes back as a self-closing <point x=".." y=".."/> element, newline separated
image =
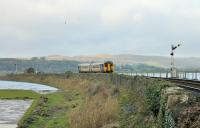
<point x="108" y="67"/>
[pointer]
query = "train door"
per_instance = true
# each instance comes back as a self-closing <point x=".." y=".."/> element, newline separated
<point x="101" y="68"/>
<point x="108" y="67"/>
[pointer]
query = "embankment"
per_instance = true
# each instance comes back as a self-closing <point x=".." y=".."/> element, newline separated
<point x="110" y="100"/>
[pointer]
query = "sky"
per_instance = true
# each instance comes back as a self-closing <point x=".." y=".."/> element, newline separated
<point x="88" y="27"/>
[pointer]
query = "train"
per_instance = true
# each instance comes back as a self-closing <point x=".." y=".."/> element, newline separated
<point x="105" y="67"/>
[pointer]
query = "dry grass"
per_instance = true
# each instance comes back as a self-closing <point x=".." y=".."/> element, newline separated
<point x="94" y="114"/>
<point x="100" y="108"/>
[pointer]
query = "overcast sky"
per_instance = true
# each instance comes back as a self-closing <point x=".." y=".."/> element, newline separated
<point x="88" y="27"/>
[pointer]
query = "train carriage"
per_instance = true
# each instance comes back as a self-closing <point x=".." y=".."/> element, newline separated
<point x="106" y="67"/>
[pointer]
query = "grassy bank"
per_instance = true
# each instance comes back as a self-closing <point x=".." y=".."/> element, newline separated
<point x="18" y="94"/>
<point x="81" y="103"/>
<point x="93" y="102"/>
<point x="140" y="103"/>
<point x="50" y="111"/>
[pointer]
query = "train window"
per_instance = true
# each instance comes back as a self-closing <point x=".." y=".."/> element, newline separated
<point x="96" y="66"/>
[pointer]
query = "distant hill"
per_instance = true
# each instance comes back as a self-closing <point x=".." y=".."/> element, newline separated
<point x="124" y="62"/>
<point x="158" y="61"/>
<point x="41" y="65"/>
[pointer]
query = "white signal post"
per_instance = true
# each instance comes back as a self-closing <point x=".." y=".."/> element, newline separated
<point x="173" y="68"/>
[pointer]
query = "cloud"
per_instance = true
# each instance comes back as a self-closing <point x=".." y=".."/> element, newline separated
<point x="37" y="27"/>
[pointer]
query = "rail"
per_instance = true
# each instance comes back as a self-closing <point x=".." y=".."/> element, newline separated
<point x="192" y="85"/>
<point x="181" y="75"/>
<point x="183" y="82"/>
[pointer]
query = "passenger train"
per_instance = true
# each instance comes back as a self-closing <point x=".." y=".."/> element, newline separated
<point x="106" y="67"/>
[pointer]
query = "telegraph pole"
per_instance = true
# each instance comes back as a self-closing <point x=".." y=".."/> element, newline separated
<point x="173" y="67"/>
<point x="16" y="68"/>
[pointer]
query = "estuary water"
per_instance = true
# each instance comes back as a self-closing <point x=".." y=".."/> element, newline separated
<point x="11" y="111"/>
<point x="39" y="88"/>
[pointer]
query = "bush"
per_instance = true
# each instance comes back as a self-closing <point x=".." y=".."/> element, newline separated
<point x="153" y="94"/>
<point x="68" y="73"/>
<point x="30" y="70"/>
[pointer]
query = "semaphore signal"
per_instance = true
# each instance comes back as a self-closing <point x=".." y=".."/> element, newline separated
<point x="173" y="68"/>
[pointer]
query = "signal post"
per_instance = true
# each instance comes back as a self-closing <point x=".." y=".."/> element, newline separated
<point x="173" y="67"/>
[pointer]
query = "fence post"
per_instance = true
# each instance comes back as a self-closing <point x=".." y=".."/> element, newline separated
<point x="193" y="75"/>
<point x="185" y="75"/>
<point x="196" y="75"/>
<point x="120" y="80"/>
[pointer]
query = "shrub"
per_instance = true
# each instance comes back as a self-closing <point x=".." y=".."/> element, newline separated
<point x="153" y="94"/>
<point x="30" y="70"/>
<point x="68" y="73"/>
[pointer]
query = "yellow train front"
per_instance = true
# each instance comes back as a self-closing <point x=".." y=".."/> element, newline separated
<point x="106" y="67"/>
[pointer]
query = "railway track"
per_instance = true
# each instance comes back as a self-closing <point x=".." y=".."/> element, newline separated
<point x="192" y="85"/>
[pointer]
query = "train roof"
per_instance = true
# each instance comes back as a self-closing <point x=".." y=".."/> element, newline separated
<point x="87" y="64"/>
<point x="110" y="62"/>
<point x="97" y="63"/>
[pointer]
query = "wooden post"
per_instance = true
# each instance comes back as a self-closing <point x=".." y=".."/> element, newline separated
<point x="185" y="75"/>
<point x="196" y="75"/>
<point x="192" y="75"/>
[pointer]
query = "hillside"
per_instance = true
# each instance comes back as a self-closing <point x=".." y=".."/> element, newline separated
<point x="124" y="62"/>
<point x="158" y="61"/>
<point x="47" y="66"/>
<point x="61" y="66"/>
